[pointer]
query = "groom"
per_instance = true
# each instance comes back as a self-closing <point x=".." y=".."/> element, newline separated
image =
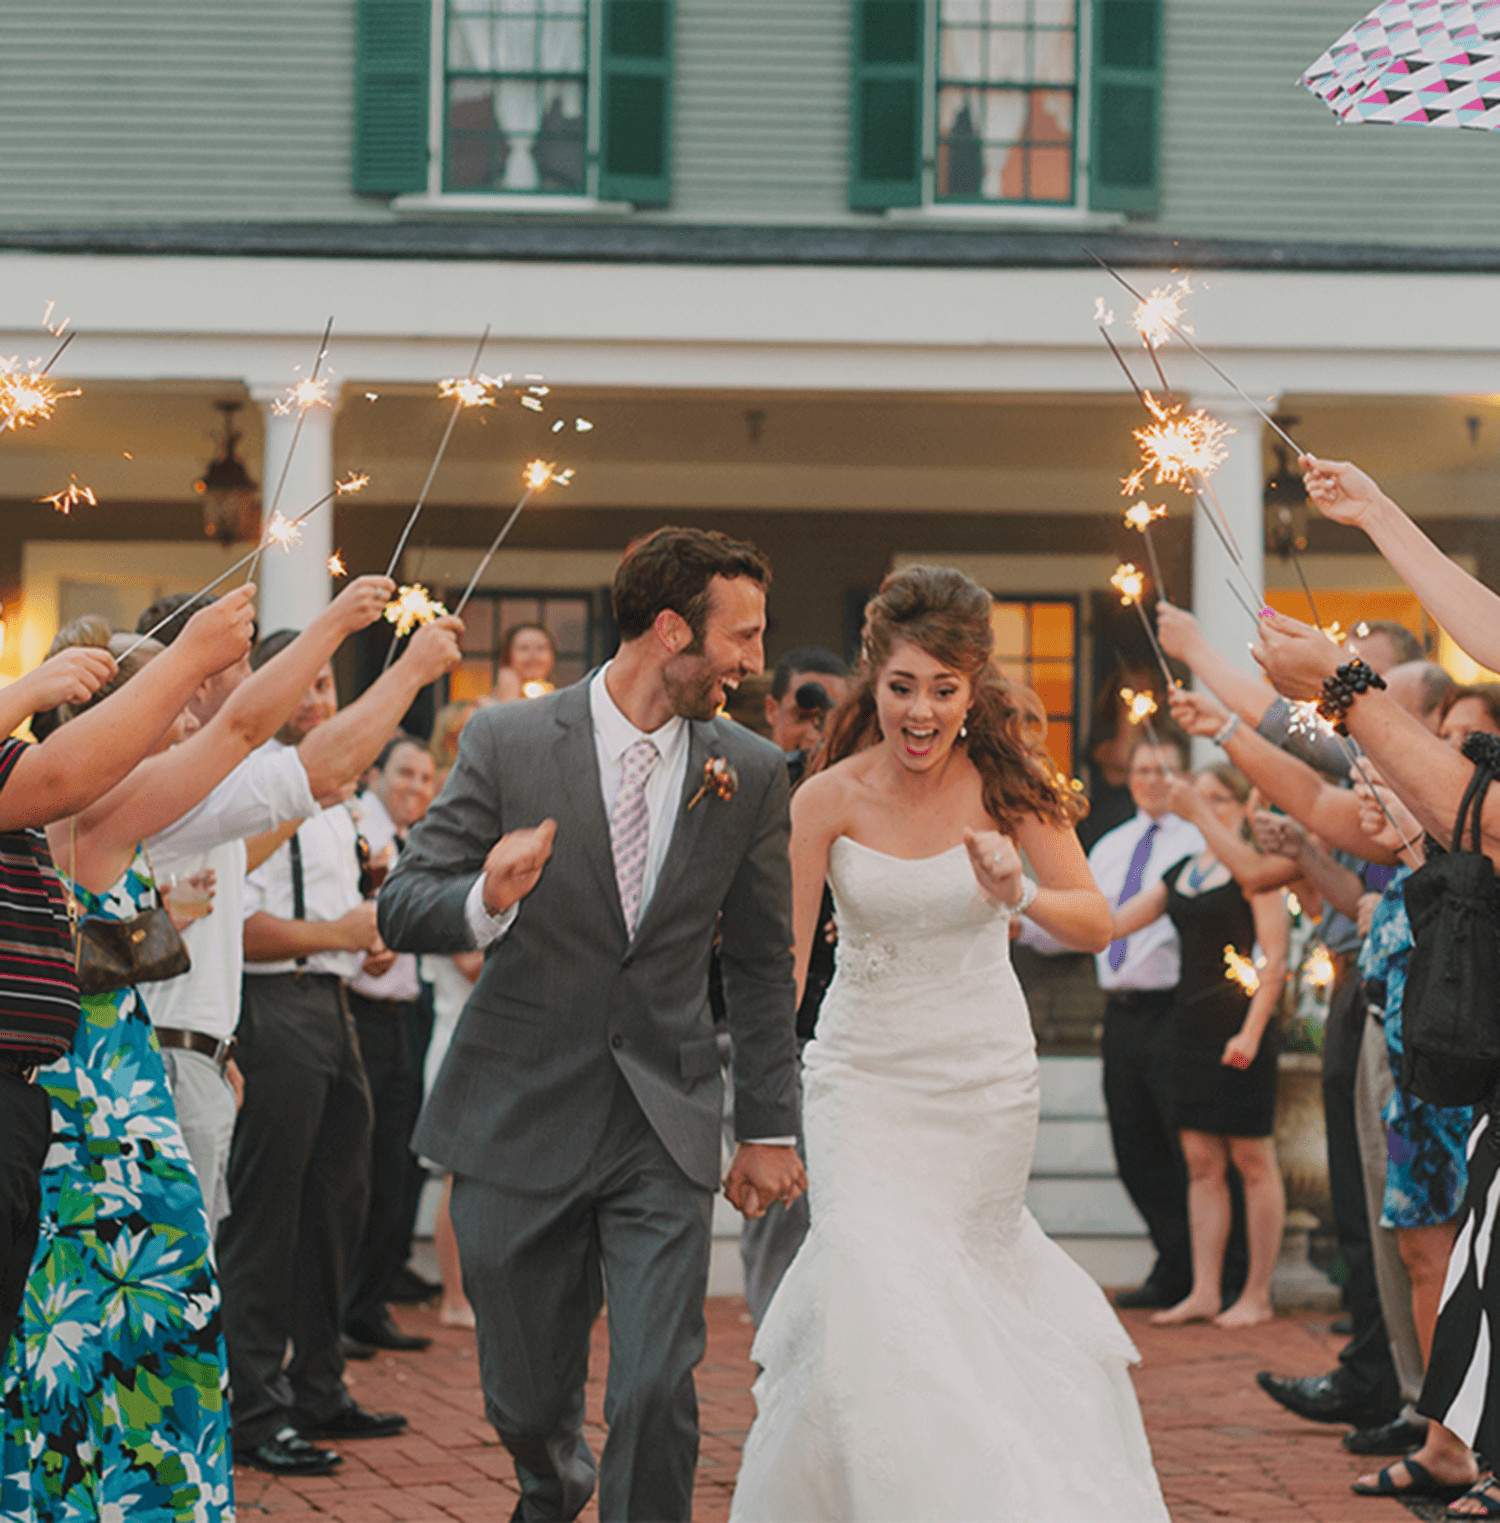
<point x="590" y="841"/>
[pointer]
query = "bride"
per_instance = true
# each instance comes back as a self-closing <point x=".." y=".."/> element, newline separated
<point x="930" y="1353"/>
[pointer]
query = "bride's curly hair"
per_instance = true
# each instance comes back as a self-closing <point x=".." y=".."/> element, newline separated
<point x="945" y="614"/>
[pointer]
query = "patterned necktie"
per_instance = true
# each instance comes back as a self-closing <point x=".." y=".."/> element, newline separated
<point x="630" y="828"/>
<point x="1134" y="874"/>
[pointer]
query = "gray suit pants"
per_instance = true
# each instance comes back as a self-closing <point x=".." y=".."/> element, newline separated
<point x="536" y="1268"/>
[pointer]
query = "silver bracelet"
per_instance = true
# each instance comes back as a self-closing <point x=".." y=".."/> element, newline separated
<point x="1225" y="730"/>
<point x="1028" y="896"/>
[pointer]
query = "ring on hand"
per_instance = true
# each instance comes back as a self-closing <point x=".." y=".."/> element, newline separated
<point x="995" y="861"/>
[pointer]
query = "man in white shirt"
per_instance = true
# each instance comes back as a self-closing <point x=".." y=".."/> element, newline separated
<point x="299" y="1165"/>
<point x="1139" y="974"/>
<point x="387" y="1007"/>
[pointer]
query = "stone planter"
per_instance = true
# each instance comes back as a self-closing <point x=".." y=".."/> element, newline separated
<point x="1302" y="1150"/>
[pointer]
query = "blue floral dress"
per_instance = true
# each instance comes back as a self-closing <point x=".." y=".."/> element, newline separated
<point x="1427" y="1167"/>
<point x="114" y="1389"/>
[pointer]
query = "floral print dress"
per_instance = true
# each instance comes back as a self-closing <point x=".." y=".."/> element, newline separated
<point x="1427" y="1165"/>
<point x="114" y="1388"/>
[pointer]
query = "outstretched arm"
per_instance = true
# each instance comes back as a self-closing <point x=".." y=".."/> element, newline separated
<point x="1279" y="834"/>
<point x="1464" y="606"/>
<point x="1243" y="692"/>
<point x="1068" y="904"/>
<point x="72" y="676"/>
<point x="1253" y="872"/>
<point x="1137" y="913"/>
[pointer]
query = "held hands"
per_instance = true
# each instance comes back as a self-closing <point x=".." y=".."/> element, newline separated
<point x="361" y="602"/>
<point x="433" y="650"/>
<point x="72" y="676"/>
<point x="515" y="863"/>
<point x="760" y="1174"/>
<point x="1295" y="656"/>
<point x="1239" y="1051"/>
<point x="379" y="959"/>
<point x="1342" y="491"/>
<point x="996" y="864"/>
<point x="356" y="929"/>
<point x="219" y="634"/>
<point x="1197" y="713"/>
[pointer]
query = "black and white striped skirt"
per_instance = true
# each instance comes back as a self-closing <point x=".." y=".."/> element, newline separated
<point x="1462" y="1388"/>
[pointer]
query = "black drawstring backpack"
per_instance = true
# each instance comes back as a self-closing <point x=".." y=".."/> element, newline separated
<point x="1450" y="1022"/>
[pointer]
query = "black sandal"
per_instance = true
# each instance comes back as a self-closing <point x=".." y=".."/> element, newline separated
<point x="1486" y="1491"/>
<point x="1423" y="1484"/>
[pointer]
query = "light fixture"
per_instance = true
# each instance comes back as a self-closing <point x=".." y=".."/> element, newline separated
<point x="231" y="499"/>
<point x="1286" y="501"/>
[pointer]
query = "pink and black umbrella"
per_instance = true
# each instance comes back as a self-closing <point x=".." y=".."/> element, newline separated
<point x="1432" y="62"/>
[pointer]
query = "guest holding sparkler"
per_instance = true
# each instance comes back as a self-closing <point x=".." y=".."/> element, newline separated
<point x="528" y="661"/>
<point x="1222" y="902"/>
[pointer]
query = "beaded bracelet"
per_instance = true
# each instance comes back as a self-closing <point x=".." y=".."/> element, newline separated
<point x="1341" y="689"/>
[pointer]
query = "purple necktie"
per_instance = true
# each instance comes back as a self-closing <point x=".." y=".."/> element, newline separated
<point x="1134" y="874"/>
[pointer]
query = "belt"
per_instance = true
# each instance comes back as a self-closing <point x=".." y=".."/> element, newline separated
<point x="388" y="1006"/>
<point x="197" y="1041"/>
<point x="23" y="1068"/>
<point x="1128" y="997"/>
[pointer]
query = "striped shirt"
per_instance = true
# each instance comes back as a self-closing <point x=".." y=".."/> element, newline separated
<point x="38" y="985"/>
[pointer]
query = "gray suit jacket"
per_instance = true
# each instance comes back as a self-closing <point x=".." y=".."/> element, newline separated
<point x="565" y="999"/>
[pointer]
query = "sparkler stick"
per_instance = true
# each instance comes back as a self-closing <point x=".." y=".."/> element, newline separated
<point x="489" y="554"/>
<point x="1302" y="577"/>
<point x="1129" y="583"/>
<point x="349" y="484"/>
<point x="1192" y="344"/>
<point x="458" y="406"/>
<point x="1250" y="612"/>
<point x="1114" y="349"/>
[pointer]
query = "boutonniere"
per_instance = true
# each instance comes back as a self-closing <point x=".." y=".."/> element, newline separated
<point x="719" y="777"/>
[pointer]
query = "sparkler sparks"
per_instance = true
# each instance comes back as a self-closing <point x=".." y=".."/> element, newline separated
<point x="1159" y="316"/>
<point x="1306" y="720"/>
<point x="537" y="688"/>
<point x="1139" y="707"/>
<point x="336" y="566"/>
<point x="1129" y="581"/>
<point x="1103" y="314"/>
<point x="27" y="397"/>
<point x="1318" y="970"/>
<point x="1335" y="632"/>
<point x="1141" y="515"/>
<point x="470" y="390"/>
<point x="55" y="329"/>
<point x="302" y="396"/>
<point x="541" y="473"/>
<point x="70" y="496"/>
<point x="355" y="481"/>
<point x="1180" y="448"/>
<point x="283" y="531"/>
<point x="1240" y="970"/>
<point x="411" y="606"/>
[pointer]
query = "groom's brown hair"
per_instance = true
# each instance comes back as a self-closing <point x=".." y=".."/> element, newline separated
<point x="672" y="568"/>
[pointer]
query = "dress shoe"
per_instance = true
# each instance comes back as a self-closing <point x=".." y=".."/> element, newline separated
<point x="1329" y="1398"/>
<point x="354" y="1349"/>
<point x="1400" y="1436"/>
<point x="1148" y="1297"/>
<point x="353" y="1421"/>
<point x="384" y="1333"/>
<point x="288" y="1453"/>
<point x="410" y="1289"/>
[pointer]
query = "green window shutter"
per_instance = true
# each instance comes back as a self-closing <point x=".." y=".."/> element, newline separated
<point x="635" y="102"/>
<point x="886" y="107"/>
<point x="392" y="64"/>
<point x="1125" y="167"/>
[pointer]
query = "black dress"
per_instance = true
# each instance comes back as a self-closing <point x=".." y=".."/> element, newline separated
<point x="1209" y="1009"/>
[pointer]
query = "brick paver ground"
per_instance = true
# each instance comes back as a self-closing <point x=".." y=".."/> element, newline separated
<point x="1223" y="1449"/>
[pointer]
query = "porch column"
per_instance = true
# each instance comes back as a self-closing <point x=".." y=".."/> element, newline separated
<point x="294" y="583"/>
<point x="1239" y="487"/>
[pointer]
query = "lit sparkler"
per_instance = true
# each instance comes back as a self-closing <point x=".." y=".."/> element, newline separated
<point x="1160" y="315"/>
<point x="1103" y="315"/>
<point x="541" y="473"/>
<point x="1335" y="632"/>
<point x="301" y="396"/>
<point x="1139" y="707"/>
<point x="1140" y="516"/>
<point x="283" y="531"/>
<point x="1129" y="581"/>
<point x="582" y="425"/>
<point x="355" y="481"/>
<point x="1179" y="448"/>
<point x="1240" y="970"/>
<point x="1318" y="970"/>
<point x="27" y="397"/>
<point x="470" y="390"/>
<point x="70" y="496"/>
<point x="537" y="688"/>
<point x="336" y="566"/>
<point x="412" y="606"/>
<point x="537" y="475"/>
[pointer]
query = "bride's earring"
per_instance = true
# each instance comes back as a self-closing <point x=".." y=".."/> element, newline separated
<point x="963" y="729"/>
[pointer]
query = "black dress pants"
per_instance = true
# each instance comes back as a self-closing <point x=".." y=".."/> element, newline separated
<point x="1367" y="1355"/>
<point x="299" y="1181"/>
<point x="395" y="1097"/>
<point x="25" y="1132"/>
<point x="1141" y="1103"/>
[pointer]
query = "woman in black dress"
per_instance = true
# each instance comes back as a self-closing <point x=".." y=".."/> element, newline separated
<point x="1227" y="898"/>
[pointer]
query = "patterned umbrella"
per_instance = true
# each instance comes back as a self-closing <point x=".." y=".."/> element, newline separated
<point x="1434" y="62"/>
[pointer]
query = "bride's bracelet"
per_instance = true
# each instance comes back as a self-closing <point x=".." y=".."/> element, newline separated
<point x="1024" y="903"/>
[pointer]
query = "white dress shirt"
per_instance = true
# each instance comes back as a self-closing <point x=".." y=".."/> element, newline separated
<point x="267" y="789"/>
<point x="1153" y="956"/>
<point x="330" y="884"/>
<point x="613" y="737"/>
<point x="400" y="980"/>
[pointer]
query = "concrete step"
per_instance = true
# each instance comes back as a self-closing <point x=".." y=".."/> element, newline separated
<point x="1113" y="1262"/>
<point x="1072" y="1088"/>
<point x="1073" y="1147"/>
<point x="1083" y="1207"/>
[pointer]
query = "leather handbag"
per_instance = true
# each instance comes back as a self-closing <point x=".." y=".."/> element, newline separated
<point x="1450" y="1014"/>
<point x="115" y="954"/>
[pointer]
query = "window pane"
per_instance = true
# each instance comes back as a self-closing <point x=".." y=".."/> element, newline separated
<point x="476" y="149"/>
<point x="1008" y="620"/>
<point x="1004" y="115"/>
<point x="961" y="54"/>
<point x="469" y="43"/>
<point x="1052" y="630"/>
<point x="1053" y="56"/>
<point x="1007" y="12"/>
<point x="1055" y="12"/>
<point x="515" y="44"/>
<point x="1050" y="175"/>
<point x="562" y="47"/>
<point x="1051" y="116"/>
<point x="956" y="11"/>
<point x="1060" y="745"/>
<point x="515" y="611"/>
<point x="558" y="152"/>
<point x="1052" y="682"/>
<point x="470" y="681"/>
<point x="1007" y="56"/>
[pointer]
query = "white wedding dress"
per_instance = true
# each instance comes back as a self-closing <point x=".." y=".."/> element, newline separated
<point x="930" y="1356"/>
